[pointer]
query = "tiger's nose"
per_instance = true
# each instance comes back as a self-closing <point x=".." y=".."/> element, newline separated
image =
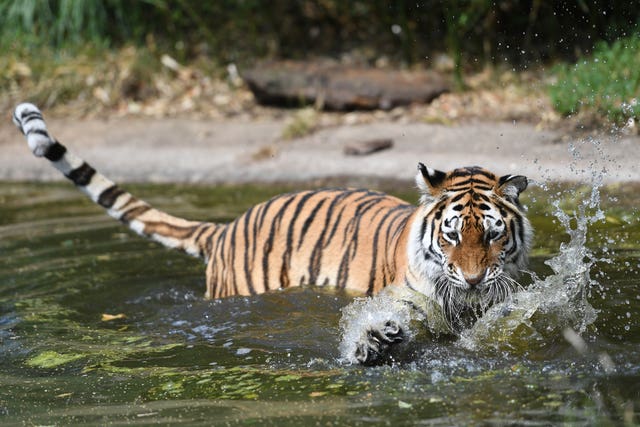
<point x="474" y="279"/>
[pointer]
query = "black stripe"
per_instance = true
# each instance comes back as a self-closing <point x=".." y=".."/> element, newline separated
<point x="109" y="196"/>
<point x="316" y="254"/>
<point x="309" y="221"/>
<point x="163" y="228"/>
<point x="216" y="260"/>
<point x="361" y="210"/>
<point x="403" y="221"/>
<point x="431" y="250"/>
<point x="231" y="254"/>
<point x="479" y="171"/>
<point x="247" y="268"/>
<point x="134" y="213"/>
<point x="458" y="197"/>
<point x="218" y="250"/>
<point x="267" y="205"/>
<point x="423" y="228"/>
<point x="354" y="222"/>
<point x="468" y="182"/>
<point x="39" y="131"/>
<point x="389" y="267"/>
<point x="81" y="175"/>
<point x="352" y="246"/>
<point x="199" y="231"/>
<point x="255" y="230"/>
<point x="27" y="116"/>
<point x="268" y="245"/>
<point x="343" y="271"/>
<point x="224" y="265"/>
<point x="55" y="151"/>
<point x="334" y="229"/>
<point x="202" y="228"/>
<point x="286" y="256"/>
<point x="376" y="237"/>
<point x="514" y="240"/>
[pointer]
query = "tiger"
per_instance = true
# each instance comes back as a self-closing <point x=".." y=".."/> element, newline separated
<point x="461" y="246"/>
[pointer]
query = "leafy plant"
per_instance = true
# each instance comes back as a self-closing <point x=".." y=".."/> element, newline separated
<point x="68" y="23"/>
<point x="606" y="83"/>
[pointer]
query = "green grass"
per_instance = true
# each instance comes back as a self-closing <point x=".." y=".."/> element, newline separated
<point x="56" y="22"/>
<point x="607" y="83"/>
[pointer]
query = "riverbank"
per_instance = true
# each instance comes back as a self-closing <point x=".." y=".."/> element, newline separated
<point x="239" y="151"/>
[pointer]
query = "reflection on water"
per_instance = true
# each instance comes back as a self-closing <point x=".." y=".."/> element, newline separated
<point x="169" y="356"/>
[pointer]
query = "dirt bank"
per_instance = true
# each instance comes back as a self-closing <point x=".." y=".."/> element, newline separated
<point x="234" y="151"/>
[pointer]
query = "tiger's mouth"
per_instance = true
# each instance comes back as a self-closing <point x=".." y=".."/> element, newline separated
<point x="462" y="304"/>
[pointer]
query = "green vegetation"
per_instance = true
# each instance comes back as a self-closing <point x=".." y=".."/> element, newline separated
<point x="472" y="31"/>
<point x="606" y="83"/>
<point x="58" y="23"/>
<point x="52" y="48"/>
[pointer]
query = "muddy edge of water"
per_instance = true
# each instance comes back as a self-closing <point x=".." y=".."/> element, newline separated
<point x="237" y="151"/>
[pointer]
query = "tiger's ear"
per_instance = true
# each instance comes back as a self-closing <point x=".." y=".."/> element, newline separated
<point x="510" y="187"/>
<point x="429" y="182"/>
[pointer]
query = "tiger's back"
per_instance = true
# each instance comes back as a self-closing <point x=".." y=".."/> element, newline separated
<point x="330" y="237"/>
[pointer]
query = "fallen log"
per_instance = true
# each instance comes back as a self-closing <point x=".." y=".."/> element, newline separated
<point x="339" y="87"/>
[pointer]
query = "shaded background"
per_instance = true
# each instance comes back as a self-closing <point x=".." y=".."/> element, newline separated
<point x="409" y="32"/>
<point x="458" y="37"/>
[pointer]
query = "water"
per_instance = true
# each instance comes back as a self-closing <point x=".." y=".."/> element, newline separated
<point x="169" y="356"/>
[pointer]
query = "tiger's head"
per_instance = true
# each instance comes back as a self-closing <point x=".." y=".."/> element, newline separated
<point x="470" y="239"/>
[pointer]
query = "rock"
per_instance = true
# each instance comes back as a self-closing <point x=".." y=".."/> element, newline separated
<point x="338" y="87"/>
<point x="361" y="148"/>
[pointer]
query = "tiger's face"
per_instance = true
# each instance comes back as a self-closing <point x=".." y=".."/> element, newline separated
<point x="471" y="238"/>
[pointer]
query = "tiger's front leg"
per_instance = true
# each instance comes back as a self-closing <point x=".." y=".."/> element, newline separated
<point x="386" y="327"/>
<point x="379" y="329"/>
<point x="376" y="344"/>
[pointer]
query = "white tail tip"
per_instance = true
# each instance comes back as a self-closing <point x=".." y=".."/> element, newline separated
<point x="28" y="118"/>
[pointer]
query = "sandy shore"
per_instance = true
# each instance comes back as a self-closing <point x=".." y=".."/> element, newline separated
<point x="183" y="150"/>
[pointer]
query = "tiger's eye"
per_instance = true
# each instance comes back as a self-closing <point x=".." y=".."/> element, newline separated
<point x="452" y="235"/>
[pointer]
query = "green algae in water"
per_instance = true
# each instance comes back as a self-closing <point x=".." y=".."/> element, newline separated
<point x="52" y="359"/>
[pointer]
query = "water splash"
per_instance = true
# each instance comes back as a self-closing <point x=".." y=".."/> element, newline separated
<point x="372" y="313"/>
<point x="548" y="306"/>
<point x="536" y="317"/>
<point x="557" y="303"/>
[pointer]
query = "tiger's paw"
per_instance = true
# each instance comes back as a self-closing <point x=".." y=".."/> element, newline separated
<point x="28" y="118"/>
<point x="376" y="344"/>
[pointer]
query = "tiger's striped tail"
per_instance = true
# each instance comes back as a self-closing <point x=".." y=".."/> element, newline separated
<point x="138" y="215"/>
